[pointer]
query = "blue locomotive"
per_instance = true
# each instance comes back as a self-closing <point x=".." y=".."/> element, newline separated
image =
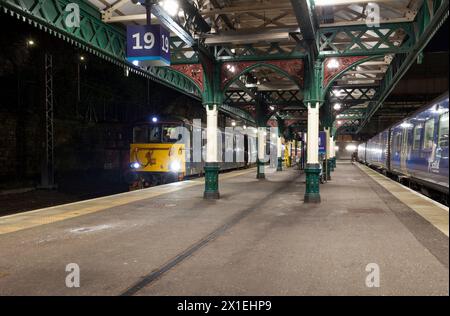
<point x="415" y="150"/>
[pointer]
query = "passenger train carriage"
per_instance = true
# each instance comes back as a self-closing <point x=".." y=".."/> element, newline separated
<point x="415" y="150"/>
<point x="162" y="152"/>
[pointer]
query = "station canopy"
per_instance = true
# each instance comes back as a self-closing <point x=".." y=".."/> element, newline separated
<point x="365" y="47"/>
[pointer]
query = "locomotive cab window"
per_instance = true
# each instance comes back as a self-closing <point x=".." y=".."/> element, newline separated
<point x="140" y="134"/>
<point x="428" y="134"/>
<point x="146" y="134"/>
<point x="171" y="134"/>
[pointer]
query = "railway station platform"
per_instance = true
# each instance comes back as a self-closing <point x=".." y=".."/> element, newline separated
<point x="258" y="239"/>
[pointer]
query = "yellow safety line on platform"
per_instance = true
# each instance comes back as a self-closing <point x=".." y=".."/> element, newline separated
<point x="434" y="212"/>
<point x="16" y="222"/>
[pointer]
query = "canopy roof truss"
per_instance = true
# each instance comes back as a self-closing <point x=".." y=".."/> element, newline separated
<point x="380" y="50"/>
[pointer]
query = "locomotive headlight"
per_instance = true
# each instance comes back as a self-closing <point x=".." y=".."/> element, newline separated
<point x="175" y="166"/>
<point x="135" y="165"/>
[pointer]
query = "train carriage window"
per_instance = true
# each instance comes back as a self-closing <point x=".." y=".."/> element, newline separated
<point x="428" y="134"/>
<point x="416" y="136"/>
<point x="398" y="139"/>
<point x="443" y="130"/>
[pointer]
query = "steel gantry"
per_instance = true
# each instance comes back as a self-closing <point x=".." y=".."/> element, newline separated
<point x="326" y="64"/>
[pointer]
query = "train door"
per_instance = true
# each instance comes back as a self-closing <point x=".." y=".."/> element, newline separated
<point x="404" y="151"/>
<point x="443" y="144"/>
<point x="246" y="150"/>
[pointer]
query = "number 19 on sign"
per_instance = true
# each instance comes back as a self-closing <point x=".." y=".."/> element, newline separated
<point x="148" y="44"/>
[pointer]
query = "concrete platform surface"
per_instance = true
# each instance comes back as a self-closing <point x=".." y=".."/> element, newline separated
<point x="258" y="239"/>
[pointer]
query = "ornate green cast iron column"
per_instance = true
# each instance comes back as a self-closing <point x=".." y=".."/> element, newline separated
<point x="329" y="169"/>
<point x="261" y="120"/>
<point x="281" y="127"/>
<point x="212" y="100"/>
<point x="312" y="169"/>
<point x="211" y="181"/>
<point x="312" y="194"/>
<point x="313" y="100"/>
<point x="260" y="163"/>
<point x="212" y="166"/>
<point x="280" y="164"/>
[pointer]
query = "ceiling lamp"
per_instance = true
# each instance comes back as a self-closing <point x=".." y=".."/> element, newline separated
<point x="333" y="64"/>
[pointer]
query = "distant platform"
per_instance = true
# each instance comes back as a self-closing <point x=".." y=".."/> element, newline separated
<point x="258" y="239"/>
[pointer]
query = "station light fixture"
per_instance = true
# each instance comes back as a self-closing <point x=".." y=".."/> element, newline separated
<point x="272" y="108"/>
<point x="350" y="147"/>
<point x="337" y="93"/>
<point x="233" y="123"/>
<point x="333" y="64"/>
<point x="135" y="62"/>
<point x="337" y="106"/>
<point x="231" y="68"/>
<point x="406" y="125"/>
<point x="154" y="119"/>
<point x="82" y="58"/>
<point x="30" y="43"/>
<point x="244" y="127"/>
<point x="170" y="6"/>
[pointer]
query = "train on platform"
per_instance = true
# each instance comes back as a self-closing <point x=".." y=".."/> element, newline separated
<point x="162" y="151"/>
<point x="415" y="150"/>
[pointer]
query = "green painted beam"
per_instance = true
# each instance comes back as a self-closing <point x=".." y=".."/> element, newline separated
<point x="428" y="21"/>
<point x="249" y="52"/>
<point x="238" y="113"/>
<point x="354" y="40"/>
<point x="98" y="38"/>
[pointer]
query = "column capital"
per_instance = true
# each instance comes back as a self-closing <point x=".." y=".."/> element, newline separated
<point x="313" y="102"/>
<point x="211" y="106"/>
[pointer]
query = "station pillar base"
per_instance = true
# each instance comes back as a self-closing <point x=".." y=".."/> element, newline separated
<point x="280" y="164"/>
<point x="211" y="181"/>
<point x="260" y="170"/>
<point x="312" y="194"/>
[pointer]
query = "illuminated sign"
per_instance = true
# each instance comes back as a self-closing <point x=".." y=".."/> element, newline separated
<point x="148" y="45"/>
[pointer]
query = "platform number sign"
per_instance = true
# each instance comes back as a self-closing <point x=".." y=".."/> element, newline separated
<point x="148" y="44"/>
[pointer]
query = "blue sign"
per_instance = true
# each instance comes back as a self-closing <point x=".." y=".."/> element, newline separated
<point x="148" y="44"/>
<point x="322" y="143"/>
